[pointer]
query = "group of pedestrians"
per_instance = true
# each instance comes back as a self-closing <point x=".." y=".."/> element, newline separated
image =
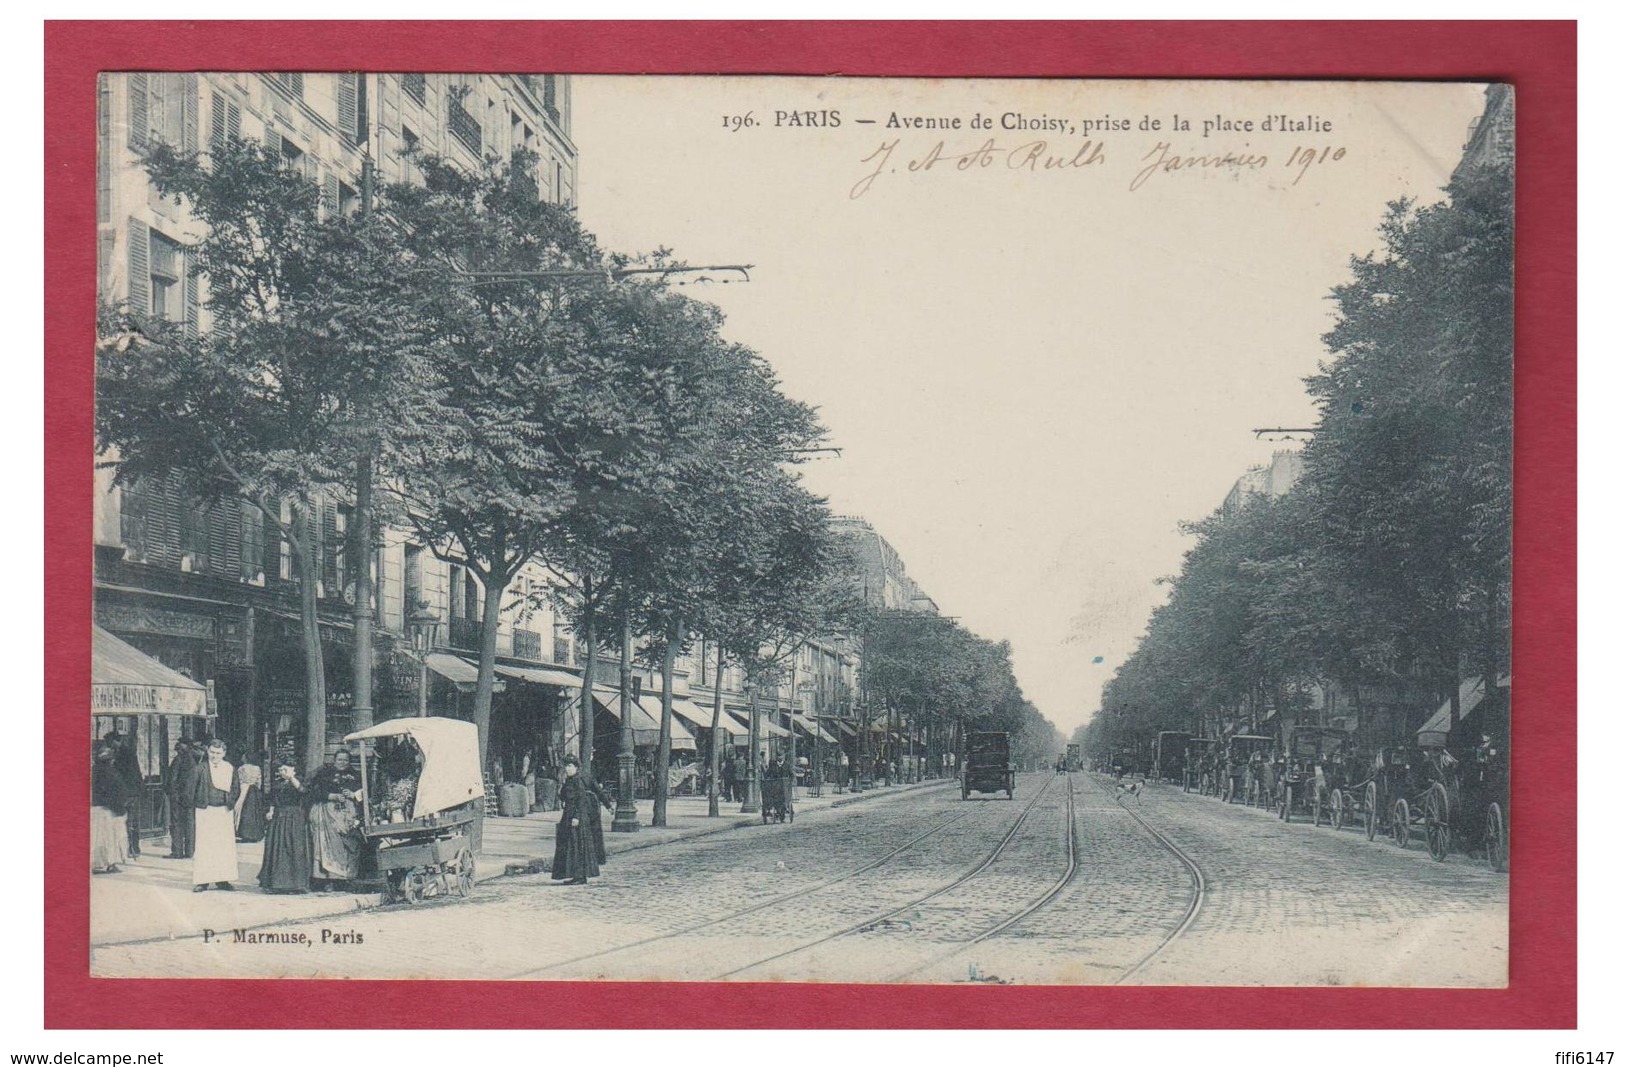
<point x="311" y="829"/>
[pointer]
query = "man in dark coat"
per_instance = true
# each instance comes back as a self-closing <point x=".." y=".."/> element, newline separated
<point x="578" y="849"/>
<point x="129" y="769"/>
<point x="181" y="784"/>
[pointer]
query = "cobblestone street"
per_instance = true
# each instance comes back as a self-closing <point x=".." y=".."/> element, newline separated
<point x="923" y="887"/>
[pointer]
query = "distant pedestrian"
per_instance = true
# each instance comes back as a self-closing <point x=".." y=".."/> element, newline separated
<point x="129" y="768"/>
<point x="109" y="795"/>
<point x="214" y="795"/>
<point x="287" y="865"/>
<point x="728" y="780"/>
<point x="741" y="778"/>
<point x="182" y="779"/>
<point x="578" y="849"/>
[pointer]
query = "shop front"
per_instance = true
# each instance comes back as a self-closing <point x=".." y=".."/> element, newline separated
<point x="149" y="705"/>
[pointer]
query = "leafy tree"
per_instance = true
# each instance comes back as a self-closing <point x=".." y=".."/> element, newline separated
<point x="314" y="340"/>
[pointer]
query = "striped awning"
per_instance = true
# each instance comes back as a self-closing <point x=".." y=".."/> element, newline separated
<point x="645" y="724"/>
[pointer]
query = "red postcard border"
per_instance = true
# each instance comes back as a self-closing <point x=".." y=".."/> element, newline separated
<point x="1537" y="57"/>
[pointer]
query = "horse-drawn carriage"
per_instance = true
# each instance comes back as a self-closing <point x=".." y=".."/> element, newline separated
<point x="1240" y="771"/>
<point x="1306" y="787"/>
<point x="1169" y="760"/>
<point x="987" y="765"/>
<point x="1198" y="763"/>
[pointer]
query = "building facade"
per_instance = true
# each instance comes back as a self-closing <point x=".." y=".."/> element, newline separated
<point x="209" y="590"/>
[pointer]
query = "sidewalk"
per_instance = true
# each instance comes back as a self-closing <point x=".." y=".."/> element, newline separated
<point x="152" y="899"/>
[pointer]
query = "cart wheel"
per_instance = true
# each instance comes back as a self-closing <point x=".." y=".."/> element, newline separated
<point x="1495" y="837"/>
<point x="1318" y="794"/>
<point x="465" y="873"/>
<point x="1401" y="828"/>
<point x="1338" y="814"/>
<point x="1371" y="811"/>
<point x="1436" y="821"/>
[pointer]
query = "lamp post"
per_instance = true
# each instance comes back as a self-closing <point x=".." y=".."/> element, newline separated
<point x="424" y="622"/>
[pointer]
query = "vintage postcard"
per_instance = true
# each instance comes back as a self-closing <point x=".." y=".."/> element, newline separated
<point x="844" y="530"/>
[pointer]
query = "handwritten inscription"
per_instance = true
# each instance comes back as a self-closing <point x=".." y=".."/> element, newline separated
<point x="1031" y="156"/>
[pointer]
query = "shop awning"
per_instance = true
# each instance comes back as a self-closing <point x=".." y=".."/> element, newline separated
<point x="698" y="720"/>
<point x="845" y="727"/>
<point x="645" y="724"/>
<point x="769" y="727"/>
<point x="461" y="673"/>
<point x="126" y="681"/>
<point x="540" y="675"/>
<point x="1471" y="696"/>
<point x="813" y="729"/>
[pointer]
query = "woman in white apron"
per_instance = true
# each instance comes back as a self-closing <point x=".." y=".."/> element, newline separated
<point x="214" y="859"/>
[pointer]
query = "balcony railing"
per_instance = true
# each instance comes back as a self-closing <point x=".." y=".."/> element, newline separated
<point x="465" y="634"/>
<point x="463" y="126"/>
<point x="527" y="645"/>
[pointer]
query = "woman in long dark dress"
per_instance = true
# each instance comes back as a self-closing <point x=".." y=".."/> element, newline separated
<point x="334" y="796"/>
<point x="578" y="850"/>
<point x="287" y="863"/>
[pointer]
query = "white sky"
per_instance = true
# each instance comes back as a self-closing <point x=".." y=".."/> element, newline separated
<point x="1033" y="376"/>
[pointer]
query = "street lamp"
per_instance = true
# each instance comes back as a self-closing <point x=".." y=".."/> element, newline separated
<point x="424" y="622"/>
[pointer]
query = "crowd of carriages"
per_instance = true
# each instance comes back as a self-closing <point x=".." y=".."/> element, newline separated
<point x="1440" y="788"/>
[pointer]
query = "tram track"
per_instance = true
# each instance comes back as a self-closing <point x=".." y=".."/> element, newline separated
<point x="911" y="906"/>
<point x="740" y="913"/>
<point x="1037" y="905"/>
<point x="1192" y="909"/>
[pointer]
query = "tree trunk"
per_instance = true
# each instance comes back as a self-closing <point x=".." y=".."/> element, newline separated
<point x="626" y="808"/>
<point x="718" y="735"/>
<point x="589" y="646"/>
<point x="361" y="539"/>
<point x="310" y="627"/>
<point x="668" y="667"/>
<point x="790" y="786"/>
<point x="496" y="586"/>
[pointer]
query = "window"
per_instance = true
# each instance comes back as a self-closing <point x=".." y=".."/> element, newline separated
<point x="135" y="510"/>
<point x="349" y="200"/>
<point x="409" y="151"/>
<point x="253" y="557"/>
<point x="166" y="271"/>
<point x="550" y="95"/>
<point x="414" y="578"/>
<point x="463" y="126"/>
<point x="194" y="521"/>
<point x="163" y="107"/>
<point x="351" y="93"/>
<point x="341" y="547"/>
<point x="416" y="86"/>
<point x="225" y="120"/>
<point x="284" y="549"/>
<point x="293" y="82"/>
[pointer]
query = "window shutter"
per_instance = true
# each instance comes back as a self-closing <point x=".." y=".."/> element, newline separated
<point x="348" y="107"/>
<point x="137" y="87"/>
<point x="217" y="120"/>
<point x="166" y="531"/>
<point x="229" y="557"/>
<point x="189" y="292"/>
<point x="140" y="272"/>
<point x="330" y="194"/>
<point x="234" y="121"/>
<point x="250" y="552"/>
<point x="273" y="142"/>
<point x="297" y="81"/>
<point x="189" y="101"/>
<point x="330" y="537"/>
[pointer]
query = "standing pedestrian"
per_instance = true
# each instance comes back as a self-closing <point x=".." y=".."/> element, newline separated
<point x="334" y="796"/>
<point x="728" y="780"/>
<point x="109" y="845"/>
<point x="214" y="795"/>
<point x="250" y="813"/>
<point x="129" y="768"/>
<point x="182" y="780"/>
<point x="741" y="775"/>
<point x="287" y="867"/>
<point x="578" y="849"/>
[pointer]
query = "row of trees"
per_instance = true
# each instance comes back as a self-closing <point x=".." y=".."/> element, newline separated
<point x="1389" y="565"/>
<point x="944" y="680"/>
<point x="460" y="358"/>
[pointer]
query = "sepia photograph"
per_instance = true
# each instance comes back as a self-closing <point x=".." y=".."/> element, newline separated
<point x="749" y="529"/>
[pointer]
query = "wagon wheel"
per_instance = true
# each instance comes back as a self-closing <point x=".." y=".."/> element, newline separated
<point x="1436" y="821"/>
<point x="1337" y="809"/>
<point x="465" y="873"/>
<point x="413" y="883"/>
<point x="1401" y="827"/>
<point x="1319" y="793"/>
<point x="1284" y="808"/>
<point x="1495" y="837"/>
<point x="1371" y="811"/>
